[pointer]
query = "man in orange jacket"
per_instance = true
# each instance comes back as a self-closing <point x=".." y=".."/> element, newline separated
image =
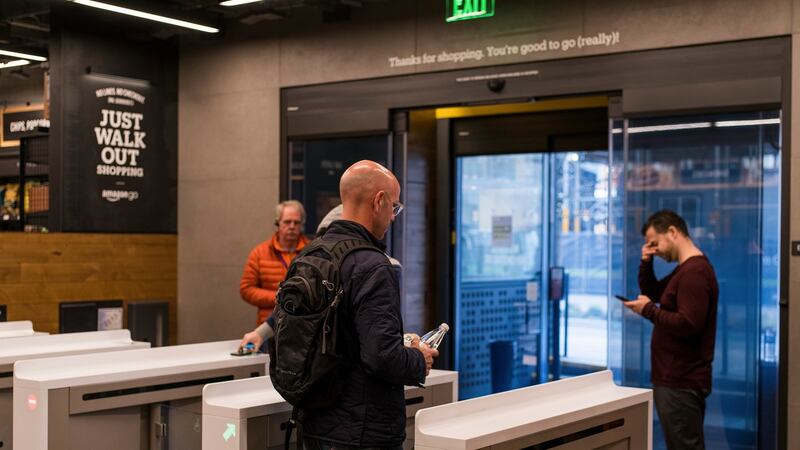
<point x="269" y="261"/>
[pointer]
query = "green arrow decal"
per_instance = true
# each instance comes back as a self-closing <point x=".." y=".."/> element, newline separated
<point x="229" y="432"/>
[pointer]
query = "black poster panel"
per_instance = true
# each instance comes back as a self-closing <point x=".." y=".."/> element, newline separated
<point x="118" y="134"/>
<point x="119" y="158"/>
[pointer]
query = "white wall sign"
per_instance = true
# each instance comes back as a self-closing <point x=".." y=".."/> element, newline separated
<point x="490" y="52"/>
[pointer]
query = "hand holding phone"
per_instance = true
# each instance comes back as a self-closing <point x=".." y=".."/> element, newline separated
<point x="248" y="349"/>
<point x="624" y="299"/>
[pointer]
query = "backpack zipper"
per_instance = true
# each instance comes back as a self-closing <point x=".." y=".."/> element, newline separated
<point x="308" y="288"/>
<point x="325" y="327"/>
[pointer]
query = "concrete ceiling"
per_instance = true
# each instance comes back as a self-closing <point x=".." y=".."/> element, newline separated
<point x="25" y="24"/>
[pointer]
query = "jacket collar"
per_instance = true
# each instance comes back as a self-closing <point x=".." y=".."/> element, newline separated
<point x="354" y="230"/>
<point x="301" y="242"/>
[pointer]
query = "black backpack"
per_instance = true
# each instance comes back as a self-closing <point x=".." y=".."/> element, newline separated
<point x="305" y="361"/>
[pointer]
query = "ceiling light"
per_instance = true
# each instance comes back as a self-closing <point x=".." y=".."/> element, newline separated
<point x="145" y="15"/>
<point x="17" y="63"/>
<point x="677" y="126"/>
<point x="237" y="2"/>
<point x="745" y="123"/>
<point x="23" y="55"/>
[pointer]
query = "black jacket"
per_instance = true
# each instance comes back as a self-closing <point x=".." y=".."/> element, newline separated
<point x="371" y="411"/>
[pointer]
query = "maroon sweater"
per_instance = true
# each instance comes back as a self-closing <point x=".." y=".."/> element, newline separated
<point x="682" y="346"/>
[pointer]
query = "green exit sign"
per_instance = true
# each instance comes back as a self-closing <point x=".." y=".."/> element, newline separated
<point x="469" y="9"/>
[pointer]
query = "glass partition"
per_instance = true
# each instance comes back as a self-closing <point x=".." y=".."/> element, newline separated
<point x="721" y="173"/>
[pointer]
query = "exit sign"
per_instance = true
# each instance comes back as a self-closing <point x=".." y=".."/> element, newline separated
<point x="469" y="9"/>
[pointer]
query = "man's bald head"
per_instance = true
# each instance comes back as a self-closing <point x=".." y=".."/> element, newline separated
<point x="361" y="181"/>
<point x="369" y="191"/>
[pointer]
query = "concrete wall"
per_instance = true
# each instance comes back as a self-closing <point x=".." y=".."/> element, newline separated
<point x="229" y="113"/>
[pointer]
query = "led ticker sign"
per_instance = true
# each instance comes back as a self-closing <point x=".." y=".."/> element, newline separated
<point x="469" y="9"/>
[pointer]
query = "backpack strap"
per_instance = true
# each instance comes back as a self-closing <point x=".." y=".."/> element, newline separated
<point x="339" y="250"/>
<point x="342" y="249"/>
<point x="290" y="424"/>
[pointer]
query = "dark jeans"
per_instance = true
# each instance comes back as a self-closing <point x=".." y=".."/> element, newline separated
<point x="681" y="412"/>
<point x="316" y="444"/>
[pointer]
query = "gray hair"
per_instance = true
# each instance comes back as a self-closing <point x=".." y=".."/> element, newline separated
<point x="294" y="204"/>
<point x="334" y="214"/>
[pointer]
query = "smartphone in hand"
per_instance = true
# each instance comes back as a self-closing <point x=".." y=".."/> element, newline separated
<point x="248" y="349"/>
<point x="624" y="299"/>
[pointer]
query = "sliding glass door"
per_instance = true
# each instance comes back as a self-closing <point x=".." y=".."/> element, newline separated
<point x="531" y="268"/>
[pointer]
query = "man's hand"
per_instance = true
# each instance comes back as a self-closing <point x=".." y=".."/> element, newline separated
<point x="638" y="305"/>
<point x="429" y="354"/>
<point x="252" y="338"/>
<point x="648" y="250"/>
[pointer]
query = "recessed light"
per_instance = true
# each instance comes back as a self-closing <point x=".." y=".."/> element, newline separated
<point x="145" y="15"/>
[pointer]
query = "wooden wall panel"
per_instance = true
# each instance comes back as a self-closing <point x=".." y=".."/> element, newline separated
<point x="37" y="271"/>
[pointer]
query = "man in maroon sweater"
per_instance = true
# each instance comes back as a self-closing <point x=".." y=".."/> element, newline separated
<point x="683" y="309"/>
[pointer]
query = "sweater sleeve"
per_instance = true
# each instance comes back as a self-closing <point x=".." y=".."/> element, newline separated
<point x="250" y="286"/>
<point x="693" y="299"/>
<point x="379" y="327"/>
<point x="649" y="285"/>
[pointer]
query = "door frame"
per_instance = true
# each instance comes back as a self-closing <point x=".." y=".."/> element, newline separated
<point x="702" y="78"/>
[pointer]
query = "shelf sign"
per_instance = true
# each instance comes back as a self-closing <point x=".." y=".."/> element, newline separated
<point x="21" y="123"/>
<point x="469" y="9"/>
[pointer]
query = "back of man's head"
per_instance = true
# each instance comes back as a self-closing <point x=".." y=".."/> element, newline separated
<point x="662" y="220"/>
<point x="368" y="191"/>
<point x="361" y="181"/>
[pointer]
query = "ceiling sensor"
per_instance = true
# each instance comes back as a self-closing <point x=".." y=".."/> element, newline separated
<point x="268" y="15"/>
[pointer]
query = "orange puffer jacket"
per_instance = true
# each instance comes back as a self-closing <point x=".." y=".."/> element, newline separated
<point x="266" y="267"/>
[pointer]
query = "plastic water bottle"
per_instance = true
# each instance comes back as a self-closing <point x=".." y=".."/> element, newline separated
<point x="434" y="337"/>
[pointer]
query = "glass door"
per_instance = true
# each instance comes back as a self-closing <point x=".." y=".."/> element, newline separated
<point x="531" y="268"/>
<point x="721" y="173"/>
<point x="579" y="245"/>
<point x="499" y="252"/>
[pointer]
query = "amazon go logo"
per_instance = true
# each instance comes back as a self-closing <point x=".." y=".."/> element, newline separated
<point x="114" y="196"/>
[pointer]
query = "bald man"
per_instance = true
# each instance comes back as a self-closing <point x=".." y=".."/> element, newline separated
<point x="371" y="411"/>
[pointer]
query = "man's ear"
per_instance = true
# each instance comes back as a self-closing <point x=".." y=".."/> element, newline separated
<point x="673" y="232"/>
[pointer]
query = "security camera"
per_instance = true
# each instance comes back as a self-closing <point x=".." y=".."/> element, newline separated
<point x="496" y="85"/>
